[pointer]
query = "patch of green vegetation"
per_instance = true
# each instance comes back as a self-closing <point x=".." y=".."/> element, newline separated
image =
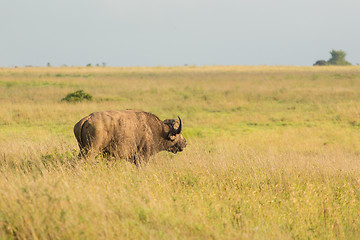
<point x="111" y="99"/>
<point x="78" y="96"/>
<point x="10" y="84"/>
<point x="55" y="157"/>
<point x="194" y="132"/>
<point x="75" y="75"/>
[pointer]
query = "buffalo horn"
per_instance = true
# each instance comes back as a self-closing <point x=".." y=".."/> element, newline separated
<point x="178" y="131"/>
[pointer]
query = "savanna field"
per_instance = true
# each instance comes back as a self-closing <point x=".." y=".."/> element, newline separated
<point x="273" y="153"/>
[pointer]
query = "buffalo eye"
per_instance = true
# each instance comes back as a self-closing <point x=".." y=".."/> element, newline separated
<point x="172" y="136"/>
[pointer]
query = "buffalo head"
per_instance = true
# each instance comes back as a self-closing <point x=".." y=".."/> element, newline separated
<point x="176" y="141"/>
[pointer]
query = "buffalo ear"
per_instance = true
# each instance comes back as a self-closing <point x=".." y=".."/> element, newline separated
<point x="173" y="132"/>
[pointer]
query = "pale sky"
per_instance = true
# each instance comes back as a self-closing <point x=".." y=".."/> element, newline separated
<point x="177" y="32"/>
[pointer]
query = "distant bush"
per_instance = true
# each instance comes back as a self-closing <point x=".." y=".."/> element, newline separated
<point x="337" y="58"/>
<point x="321" y="63"/>
<point x="77" y="96"/>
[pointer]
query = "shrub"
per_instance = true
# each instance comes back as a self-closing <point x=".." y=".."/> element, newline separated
<point x="337" y="58"/>
<point x="77" y="96"/>
<point x="320" y="63"/>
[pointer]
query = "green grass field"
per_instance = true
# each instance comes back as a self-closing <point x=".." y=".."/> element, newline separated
<point x="273" y="153"/>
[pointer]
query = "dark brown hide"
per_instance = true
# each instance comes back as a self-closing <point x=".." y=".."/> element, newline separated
<point x="131" y="134"/>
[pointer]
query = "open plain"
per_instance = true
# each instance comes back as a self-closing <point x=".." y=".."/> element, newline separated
<point x="273" y="153"/>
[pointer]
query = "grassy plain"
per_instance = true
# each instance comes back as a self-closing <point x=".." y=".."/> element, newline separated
<point x="273" y="153"/>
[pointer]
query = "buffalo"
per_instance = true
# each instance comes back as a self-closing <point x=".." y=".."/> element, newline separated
<point x="133" y="135"/>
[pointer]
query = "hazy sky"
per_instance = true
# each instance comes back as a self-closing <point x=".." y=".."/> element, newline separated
<point x="177" y="32"/>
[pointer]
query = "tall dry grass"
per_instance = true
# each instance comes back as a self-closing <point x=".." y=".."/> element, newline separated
<point x="273" y="154"/>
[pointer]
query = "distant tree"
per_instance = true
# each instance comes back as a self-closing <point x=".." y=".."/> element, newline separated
<point x="320" y="63"/>
<point x="89" y="65"/>
<point x="338" y="58"/>
<point x="104" y="64"/>
<point x="48" y="64"/>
